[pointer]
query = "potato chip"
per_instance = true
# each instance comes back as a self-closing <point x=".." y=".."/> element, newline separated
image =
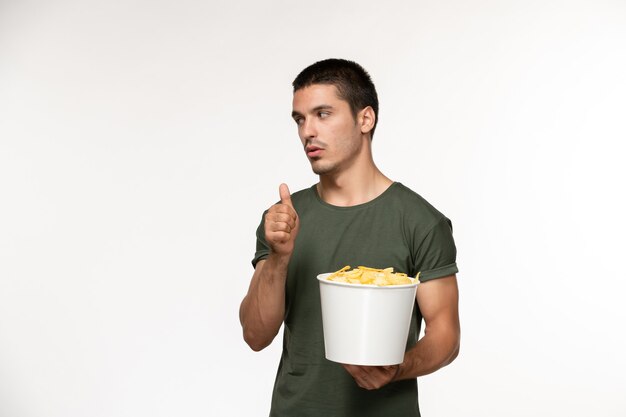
<point x="365" y="275"/>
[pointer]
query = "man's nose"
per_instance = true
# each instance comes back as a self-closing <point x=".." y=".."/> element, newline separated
<point x="308" y="129"/>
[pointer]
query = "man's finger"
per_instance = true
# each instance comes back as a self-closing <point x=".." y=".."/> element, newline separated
<point x="285" y="195"/>
<point x="281" y="217"/>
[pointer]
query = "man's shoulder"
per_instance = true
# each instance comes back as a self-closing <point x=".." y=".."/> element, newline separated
<point x="303" y="194"/>
<point x="304" y="197"/>
<point x="412" y="202"/>
<point x="304" y="191"/>
<point x="298" y="197"/>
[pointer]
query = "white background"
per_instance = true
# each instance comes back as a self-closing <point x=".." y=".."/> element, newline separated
<point x="140" y="142"/>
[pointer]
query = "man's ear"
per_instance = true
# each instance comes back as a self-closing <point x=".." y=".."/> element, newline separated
<point x="366" y="119"/>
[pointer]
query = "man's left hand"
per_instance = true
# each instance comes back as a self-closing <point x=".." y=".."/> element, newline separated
<point x="372" y="377"/>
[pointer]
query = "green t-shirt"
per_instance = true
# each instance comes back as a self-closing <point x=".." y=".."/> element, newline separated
<point x="398" y="229"/>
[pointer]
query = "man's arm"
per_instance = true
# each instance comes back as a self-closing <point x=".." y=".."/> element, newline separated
<point x="262" y="310"/>
<point x="438" y="300"/>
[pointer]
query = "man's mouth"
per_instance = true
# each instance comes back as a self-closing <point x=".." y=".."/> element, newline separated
<point x="313" y="151"/>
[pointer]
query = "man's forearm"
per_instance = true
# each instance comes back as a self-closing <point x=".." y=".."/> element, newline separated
<point x="263" y="309"/>
<point x="434" y="351"/>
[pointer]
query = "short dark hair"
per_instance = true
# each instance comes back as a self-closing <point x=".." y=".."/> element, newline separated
<point x="353" y="83"/>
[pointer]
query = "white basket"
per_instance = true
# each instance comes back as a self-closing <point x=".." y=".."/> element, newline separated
<point x="366" y="324"/>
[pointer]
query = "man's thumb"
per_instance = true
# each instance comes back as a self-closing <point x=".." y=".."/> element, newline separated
<point x="285" y="195"/>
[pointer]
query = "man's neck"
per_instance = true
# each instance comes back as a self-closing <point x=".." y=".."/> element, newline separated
<point x="353" y="187"/>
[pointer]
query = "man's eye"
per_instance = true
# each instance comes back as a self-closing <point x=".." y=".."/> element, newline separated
<point x="298" y="120"/>
<point x="323" y="114"/>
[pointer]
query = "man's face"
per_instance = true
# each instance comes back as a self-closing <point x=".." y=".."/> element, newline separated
<point x="329" y="133"/>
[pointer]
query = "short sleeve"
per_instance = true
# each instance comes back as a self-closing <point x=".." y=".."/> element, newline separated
<point x="436" y="253"/>
<point x="262" y="248"/>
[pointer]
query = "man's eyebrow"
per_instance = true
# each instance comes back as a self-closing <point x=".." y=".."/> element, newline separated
<point x="316" y="108"/>
<point x="323" y="107"/>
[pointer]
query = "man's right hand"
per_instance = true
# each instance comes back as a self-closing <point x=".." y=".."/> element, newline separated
<point x="262" y="310"/>
<point x="282" y="224"/>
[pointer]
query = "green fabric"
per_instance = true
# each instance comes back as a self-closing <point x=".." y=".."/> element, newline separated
<point x="399" y="229"/>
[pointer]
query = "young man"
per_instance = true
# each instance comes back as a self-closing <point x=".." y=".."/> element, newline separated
<point x="354" y="216"/>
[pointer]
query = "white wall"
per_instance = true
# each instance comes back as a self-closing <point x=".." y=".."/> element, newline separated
<point x="141" y="140"/>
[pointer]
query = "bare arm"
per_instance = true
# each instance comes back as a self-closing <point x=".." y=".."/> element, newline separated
<point x="438" y="300"/>
<point x="262" y="310"/>
<point x="439" y="303"/>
